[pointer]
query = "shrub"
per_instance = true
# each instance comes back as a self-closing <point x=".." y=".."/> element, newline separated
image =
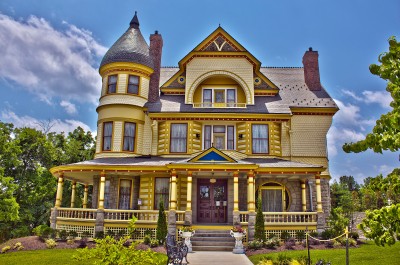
<point x="110" y="251"/>
<point x="255" y="244"/>
<point x="271" y="243"/>
<point x="354" y="235"/>
<point x="162" y="228"/>
<point x="63" y="234"/>
<point x="153" y="243"/>
<point x="18" y="246"/>
<point x="70" y="242"/>
<point x="337" y="221"/>
<point x="147" y="240"/>
<point x="86" y="234"/>
<point x="73" y="234"/>
<point x="272" y="235"/>
<point x="121" y="233"/>
<point x="327" y="234"/>
<point x="336" y="244"/>
<point x="132" y="226"/>
<point x="99" y="234"/>
<point x="110" y="233"/>
<point x="314" y="234"/>
<point x="352" y="242"/>
<point x="5" y="249"/>
<point x="285" y="236"/>
<point x="50" y="243"/>
<point x="48" y="233"/>
<point x="302" y="260"/>
<point x="265" y="261"/>
<point x="282" y="260"/>
<point x="259" y="225"/>
<point x="300" y="235"/>
<point x="329" y="244"/>
<point x="148" y="232"/>
<point x="38" y="230"/>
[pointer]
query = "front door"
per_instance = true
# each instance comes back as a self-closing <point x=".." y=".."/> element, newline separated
<point x="212" y="201"/>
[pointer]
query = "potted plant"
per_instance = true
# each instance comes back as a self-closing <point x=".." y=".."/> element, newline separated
<point x="186" y="231"/>
<point x="238" y="233"/>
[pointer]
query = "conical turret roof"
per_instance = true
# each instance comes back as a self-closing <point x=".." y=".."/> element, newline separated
<point x="130" y="47"/>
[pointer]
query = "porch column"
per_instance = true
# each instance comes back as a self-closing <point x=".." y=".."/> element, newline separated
<point x="59" y="190"/>
<point x="73" y="191"/>
<point x="235" y="191"/>
<point x="303" y="195"/>
<point x="102" y="188"/>
<point x="85" y="196"/>
<point x="318" y="189"/>
<point x="189" y="192"/>
<point x="250" y="191"/>
<point x="173" y="190"/>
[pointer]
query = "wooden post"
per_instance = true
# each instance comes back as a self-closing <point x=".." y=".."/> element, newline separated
<point x="102" y="189"/>
<point x="173" y="190"/>
<point x="59" y="190"/>
<point x="189" y="192"/>
<point x="235" y="191"/>
<point x="85" y="196"/>
<point x="250" y="191"/>
<point x="73" y="191"/>
<point x="303" y="196"/>
<point x="318" y="189"/>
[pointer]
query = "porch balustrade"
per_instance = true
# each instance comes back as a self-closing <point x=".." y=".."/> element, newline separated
<point x="283" y="218"/>
<point x="110" y="215"/>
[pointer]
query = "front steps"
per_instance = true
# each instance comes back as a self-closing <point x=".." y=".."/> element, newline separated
<point x="212" y="240"/>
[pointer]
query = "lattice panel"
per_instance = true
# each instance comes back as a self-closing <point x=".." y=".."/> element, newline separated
<point x="77" y="228"/>
<point x="138" y="235"/>
<point x="278" y="233"/>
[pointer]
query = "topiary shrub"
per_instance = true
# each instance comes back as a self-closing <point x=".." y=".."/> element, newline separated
<point x="18" y="246"/>
<point x="300" y="235"/>
<point x="63" y="234"/>
<point x="147" y="240"/>
<point x="285" y="236"/>
<point x="72" y="234"/>
<point x="272" y="243"/>
<point x="50" y="243"/>
<point x="255" y="244"/>
<point x="354" y="235"/>
<point x="5" y="249"/>
<point x="259" y="233"/>
<point x="162" y="229"/>
<point x="99" y="234"/>
<point x="327" y="234"/>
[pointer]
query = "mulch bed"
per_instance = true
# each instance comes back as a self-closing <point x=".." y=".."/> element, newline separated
<point x="34" y="243"/>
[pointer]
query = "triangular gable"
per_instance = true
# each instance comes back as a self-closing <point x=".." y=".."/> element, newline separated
<point x="212" y="154"/>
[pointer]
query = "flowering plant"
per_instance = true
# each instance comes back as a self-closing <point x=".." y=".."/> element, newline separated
<point x="237" y="229"/>
<point x="187" y="229"/>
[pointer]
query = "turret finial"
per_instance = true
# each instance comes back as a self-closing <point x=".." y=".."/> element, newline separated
<point x="135" y="21"/>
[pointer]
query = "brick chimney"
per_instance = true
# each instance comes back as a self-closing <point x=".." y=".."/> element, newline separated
<point x="311" y="70"/>
<point x="156" y="43"/>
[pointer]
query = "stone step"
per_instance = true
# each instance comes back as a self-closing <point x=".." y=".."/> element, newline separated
<point x="211" y="234"/>
<point x="214" y="239"/>
<point x="211" y="248"/>
<point x="213" y="244"/>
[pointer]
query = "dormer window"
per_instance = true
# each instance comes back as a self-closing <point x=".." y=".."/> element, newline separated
<point x="112" y="84"/>
<point x="133" y="84"/>
<point x="219" y="97"/>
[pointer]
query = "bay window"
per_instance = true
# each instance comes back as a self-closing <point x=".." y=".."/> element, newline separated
<point x="133" y="84"/>
<point x="112" y="84"/>
<point x="107" y="135"/>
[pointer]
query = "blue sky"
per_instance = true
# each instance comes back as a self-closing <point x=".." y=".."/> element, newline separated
<point x="50" y="52"/>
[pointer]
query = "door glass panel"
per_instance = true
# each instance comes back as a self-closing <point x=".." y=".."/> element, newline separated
<point x="219" y="193"/>
<point x="204" y="192"/>
<point x="125" y="186"/>
<point x="272" y="200"/>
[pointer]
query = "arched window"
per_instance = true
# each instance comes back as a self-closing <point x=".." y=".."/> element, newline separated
<point x="274" y="197"/>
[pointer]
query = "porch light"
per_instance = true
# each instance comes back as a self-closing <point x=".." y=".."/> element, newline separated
<point x="224" y="203"/>
<point x="139" y="202"/>
<point x="217" y="203"/>
<point x="213" y="180"/>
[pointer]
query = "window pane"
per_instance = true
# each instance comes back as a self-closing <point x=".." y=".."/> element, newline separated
<point x="271" y="200"/>
<point x="207" y="97"/>
<point x="129" y="136"/>
<point x="107" y="195"/>
<point x="161" y="193"/>
<point x="178" y="138"/>
<point x="231" y="97"/>
<point x="112" y="84"/>
<point x="107" y="136"/>
<point x="133" y="84"/>
<point x="125" y="186"/>
<point x="219" y="96"/>
<point x="207" y="136"/>
<point x="231" y="139"/>
<point x="219" y="129"/>
<point x="260" y="138"/>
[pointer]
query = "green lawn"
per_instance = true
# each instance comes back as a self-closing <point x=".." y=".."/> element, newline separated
<point x="366" y="254"/>
<point x="43" y="257"/>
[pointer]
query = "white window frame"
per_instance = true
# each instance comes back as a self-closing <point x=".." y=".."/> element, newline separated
<point x="226" y="135"/>
<point x="213" y="88"/>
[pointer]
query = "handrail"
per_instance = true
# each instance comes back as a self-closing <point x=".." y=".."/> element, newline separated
<point x="283" y="217"/>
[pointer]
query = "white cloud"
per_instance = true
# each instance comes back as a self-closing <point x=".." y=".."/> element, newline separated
<point x="49" y="62"/>
<point x="383" y="98"/>
<point x="351" y="94"/>
<point x="349" y="116"/>
<point x="336" y="137"/>
<point x="69" y="107"/>
<point x="56" y="125"/>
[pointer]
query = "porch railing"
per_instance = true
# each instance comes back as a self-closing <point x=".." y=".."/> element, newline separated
<point x="219" y="105"/>
<point x="77" y="213"/>
<point x="282" y="218"/>
<point x="111" y="215"/>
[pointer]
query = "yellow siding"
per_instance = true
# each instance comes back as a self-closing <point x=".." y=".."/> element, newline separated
<point x="123" y="112"/>
<point x="139" y="138"/>
<point x="309" y="135"/>
<point x="117" y="136"/>
<point x="196" y="144"/>
<point x="154" y="142"/>
<point x="241" y="143"/>
<point x="162" y="138"/>
<point x="234" y="66"/>
<point x="147" y="136"/>
<point x="99" y="137"/>
<point x="126" y="99"/>
<point x="104" y="86"/>
<point x="122" y="83"/>
<point x="182" y="191"/>
<point x="115" y="154"/>
<point x="285" y="138"/>
<point x="146" y="192"/>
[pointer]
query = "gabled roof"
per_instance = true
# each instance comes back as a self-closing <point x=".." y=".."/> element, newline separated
<point x="130" y="47"/>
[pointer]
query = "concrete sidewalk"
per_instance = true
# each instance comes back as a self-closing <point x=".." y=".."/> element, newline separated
<point x="217" y="257"/>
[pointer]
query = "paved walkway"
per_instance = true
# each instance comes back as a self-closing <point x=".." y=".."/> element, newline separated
<point x="217" y="257"/>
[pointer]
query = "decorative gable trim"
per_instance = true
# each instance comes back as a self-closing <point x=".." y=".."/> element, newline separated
<point x="212" y="154"/>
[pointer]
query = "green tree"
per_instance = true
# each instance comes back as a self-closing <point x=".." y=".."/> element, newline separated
<point x="259" y="233"/>
<point x="162" y="228"/>
<point x="382" y="225"/>
<point x="386" y="133"/>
